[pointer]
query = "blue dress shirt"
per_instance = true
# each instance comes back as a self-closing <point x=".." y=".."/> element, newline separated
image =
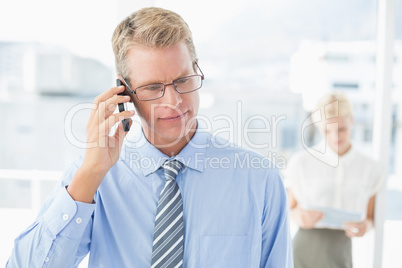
<point x="234" y="203"/>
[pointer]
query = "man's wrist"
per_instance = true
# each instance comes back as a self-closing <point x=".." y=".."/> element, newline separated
<point x="84" y="185"/>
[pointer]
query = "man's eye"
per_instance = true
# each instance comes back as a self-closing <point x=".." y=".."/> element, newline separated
<point x="153" y="87"/>
<point x="182" y="80"/>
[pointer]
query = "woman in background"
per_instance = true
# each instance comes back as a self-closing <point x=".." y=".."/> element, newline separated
<point x="341" y="178"/>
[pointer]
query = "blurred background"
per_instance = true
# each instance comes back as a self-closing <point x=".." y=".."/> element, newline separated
<point x="267" y="58"/>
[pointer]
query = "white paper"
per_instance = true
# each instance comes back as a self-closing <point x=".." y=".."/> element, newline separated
<point x="334" y="218"/>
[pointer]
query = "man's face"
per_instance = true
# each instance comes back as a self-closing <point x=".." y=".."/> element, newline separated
<point x="170" y="118"/>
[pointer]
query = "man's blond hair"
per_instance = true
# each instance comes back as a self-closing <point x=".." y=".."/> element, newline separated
<point x="334" y="105"/>
<point x="150" y="27"/>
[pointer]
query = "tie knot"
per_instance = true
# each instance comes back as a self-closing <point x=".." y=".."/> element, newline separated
<point x="171" y="169"/>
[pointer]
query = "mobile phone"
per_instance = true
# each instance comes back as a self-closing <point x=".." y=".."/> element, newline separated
<point x="125" y="122"/>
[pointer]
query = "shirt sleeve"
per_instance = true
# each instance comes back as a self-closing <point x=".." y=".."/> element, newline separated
<point x="60" y="235"/>
<point x="276" y="238"/>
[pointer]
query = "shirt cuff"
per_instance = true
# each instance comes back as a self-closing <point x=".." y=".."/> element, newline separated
<point x="67" y="217"/>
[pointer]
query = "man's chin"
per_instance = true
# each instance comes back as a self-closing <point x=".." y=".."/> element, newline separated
<point x="169" y="137"/>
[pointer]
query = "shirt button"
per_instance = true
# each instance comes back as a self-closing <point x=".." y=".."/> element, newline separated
<point x="65" y="217"/>
<point x="78" y="220"/>
<point x="47" y="259"/>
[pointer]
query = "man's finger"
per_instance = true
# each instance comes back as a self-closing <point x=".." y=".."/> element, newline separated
<point x="111" y="103"/>
<point x="104" y="96"/>
<point x="114" y="118"/>
<point x="107" y="107"/>
<point x="120" y="133"/>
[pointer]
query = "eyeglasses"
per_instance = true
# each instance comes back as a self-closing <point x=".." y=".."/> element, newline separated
<point x="155" y="91"/>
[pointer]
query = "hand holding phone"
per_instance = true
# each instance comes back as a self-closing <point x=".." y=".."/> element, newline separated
<point x="103" y="150"/>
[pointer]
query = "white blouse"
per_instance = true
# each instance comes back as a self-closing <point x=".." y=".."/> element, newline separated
<point x="349" y="184"/>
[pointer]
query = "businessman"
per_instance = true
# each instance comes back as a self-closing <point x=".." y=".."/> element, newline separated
<point x="173" y="195"/>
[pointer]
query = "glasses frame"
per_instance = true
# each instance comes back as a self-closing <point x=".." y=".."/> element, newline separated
<point x="165" y="85"/>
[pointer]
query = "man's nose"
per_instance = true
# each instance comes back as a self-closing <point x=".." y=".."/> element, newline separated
<point x="171" y="96"/>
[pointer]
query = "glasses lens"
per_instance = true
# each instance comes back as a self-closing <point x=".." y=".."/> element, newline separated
<point x="188" y="83"/>
<point x="182" y="85"/>
<point x="150" y="92"/>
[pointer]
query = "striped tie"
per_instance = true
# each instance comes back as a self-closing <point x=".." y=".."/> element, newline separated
<point x="167" y="251"/>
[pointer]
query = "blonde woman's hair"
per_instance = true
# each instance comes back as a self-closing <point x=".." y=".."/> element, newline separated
<point x="334" y="105"/>
<point x="150" y="27"/>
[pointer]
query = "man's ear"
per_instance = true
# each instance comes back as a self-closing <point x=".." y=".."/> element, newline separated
<point x="127" y="90"/>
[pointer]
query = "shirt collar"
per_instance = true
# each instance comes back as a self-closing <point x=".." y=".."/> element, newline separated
<point x="151" y="159"/>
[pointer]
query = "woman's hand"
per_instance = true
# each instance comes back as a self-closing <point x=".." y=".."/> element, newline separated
<point x="357" y="229"/>
<point x="306" y="219"/>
